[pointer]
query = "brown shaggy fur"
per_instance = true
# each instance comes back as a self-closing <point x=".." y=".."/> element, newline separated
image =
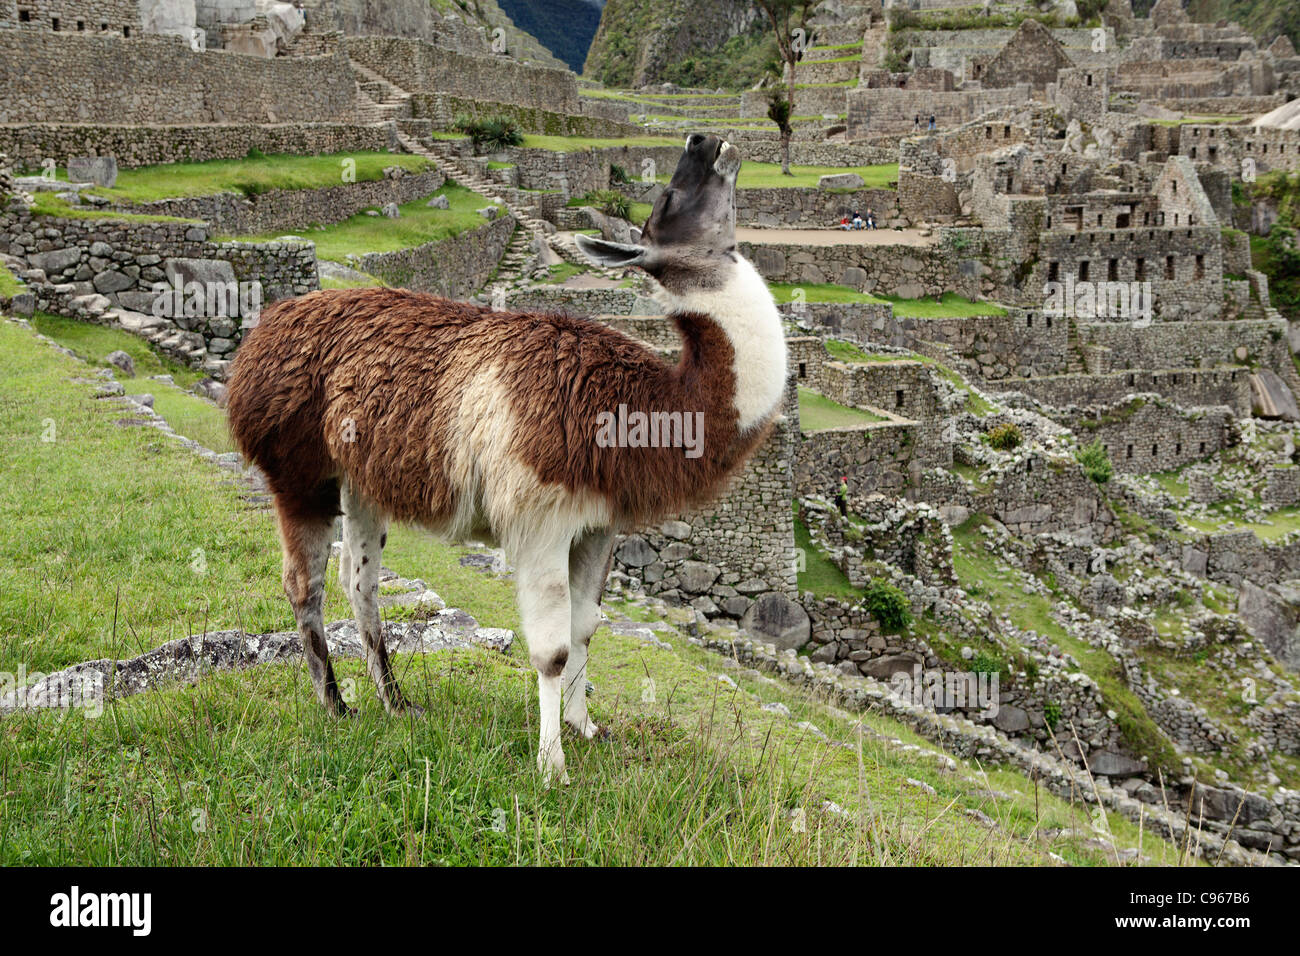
<point x="387" y="367"/>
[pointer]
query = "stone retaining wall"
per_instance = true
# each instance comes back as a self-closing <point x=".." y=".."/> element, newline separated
<point x="418" y="66"/>
<point x="811" y="208"/>
<point x="456" y="267"/>
<point x="69" y="77"/>
<point x="31" y="143"/>
<point x="289" y="209"/>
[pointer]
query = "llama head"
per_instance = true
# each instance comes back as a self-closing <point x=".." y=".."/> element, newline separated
<point x="689" y="241"/>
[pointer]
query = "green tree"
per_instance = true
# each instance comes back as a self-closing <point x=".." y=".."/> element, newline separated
<point x="789" y="20"/>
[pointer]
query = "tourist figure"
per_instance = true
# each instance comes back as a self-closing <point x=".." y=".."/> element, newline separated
<point x="871" y="219"/>
<point x="931" y="122"/>
<point x="857" y="220"/>
<point x="916" y="122"/>
<point x="844" y="222"/>
<point x="842" y="496"/>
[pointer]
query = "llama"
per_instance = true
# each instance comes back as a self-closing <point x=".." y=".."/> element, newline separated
<point x="395" y="405"/>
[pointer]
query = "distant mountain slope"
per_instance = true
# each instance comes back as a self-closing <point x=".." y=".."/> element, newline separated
<point x="565" y="27"/>
<point x="1265" y="19"/>
<point x="701" y="43"/>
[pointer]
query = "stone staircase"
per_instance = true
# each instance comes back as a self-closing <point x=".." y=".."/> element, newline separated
<point x="378" y="100"/>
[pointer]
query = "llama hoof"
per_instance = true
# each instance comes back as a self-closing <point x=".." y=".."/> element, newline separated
<point x="588" y="728"/>
<point x="552" y="770"/>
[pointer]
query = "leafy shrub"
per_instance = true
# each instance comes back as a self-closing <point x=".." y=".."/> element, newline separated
<point x="609" y="201"/>
<point x="986" y="663"/>
<point x="887" y="604"/>
<point x="490" y="135"/>
<point x="1052" y="714"/>
<point x="1096" y="463"/>
<point x="1004" y="437"/>
<point x="617" y="174"/>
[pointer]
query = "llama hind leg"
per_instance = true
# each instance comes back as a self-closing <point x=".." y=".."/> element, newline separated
<point x="365" y="532"/>
<point x="589" y="558"/>
<point x="542" y="589"/>
<point x="306" y="540"/>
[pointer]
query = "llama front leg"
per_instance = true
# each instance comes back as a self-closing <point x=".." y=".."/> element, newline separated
<point x="589" y="558"/>
<point x="365" y="532"/>
<point x="306" y="543"/>
<point x="542" y="590"/>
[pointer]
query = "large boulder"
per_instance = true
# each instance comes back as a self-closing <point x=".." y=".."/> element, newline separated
<point x="840" y="181"/>
<point x="1270" y="397"/>
<point x="100" y="170"/>
<point x="776" y="618"/>
<point x="1272" y="615"/>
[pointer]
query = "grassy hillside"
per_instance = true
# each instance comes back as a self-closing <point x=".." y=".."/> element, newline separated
<point x="1265" y="19"/>
<point x="707" y="762"/>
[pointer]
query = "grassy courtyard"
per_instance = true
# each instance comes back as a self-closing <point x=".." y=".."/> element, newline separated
<point x="417" y="225"/>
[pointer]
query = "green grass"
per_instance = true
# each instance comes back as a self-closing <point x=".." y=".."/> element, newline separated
<point x="329" y="282"/>
<point x="818" y="413"/>
<point x="9" y="284"/>
<point x="104" y="526"/>
<point x="418" y="224"/>
<point x="49" y="204"/>
<point x="784" y="292"/>
<point x="562" y="272"/>
<point x="1283" y="521"/>
<point x="820" y="574"/>
<point x="952" y="306"/>
<point x="253" y="175"/>
<point x="93" y="343"/>
<point x="769" y="176"/>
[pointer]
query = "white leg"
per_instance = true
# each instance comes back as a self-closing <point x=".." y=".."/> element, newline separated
<point x="345" y="560"/>
<point x="589" y="559"/>
<point x="542" y="589"/>
<point x="365" y="531"/>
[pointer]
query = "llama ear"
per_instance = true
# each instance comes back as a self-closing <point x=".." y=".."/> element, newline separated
<point x="611" y="255"/>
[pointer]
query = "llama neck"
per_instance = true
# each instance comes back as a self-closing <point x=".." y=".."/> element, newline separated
<point x="744" y="309"/>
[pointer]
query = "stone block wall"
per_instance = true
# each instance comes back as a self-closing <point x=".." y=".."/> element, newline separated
<point x="1227" y="147"/>
<point x="29" y="144"/>
<point x="74" y="261"/>
<point x="1184" y="266"/>
<point x="907" y="271"/>
<point x="76" y="78"/>
<point x="721" y="557"/>
<point x="418" y="66"/>
<point x="1187" y="345"/>
<point x="873" y="112"/>
<point x="876" y="458"/>
<point x="1219" y="386"/>
<point x="1282" y="488"/>
<point x="288" y="209"/>
<point x="456" y="267"/>
<point x="73" y="16"/>
<point x="1144" y="435"/>
<point x="443" y="109"/>
<point x="811" y="208"/>
<point x="1019" y="344"/>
